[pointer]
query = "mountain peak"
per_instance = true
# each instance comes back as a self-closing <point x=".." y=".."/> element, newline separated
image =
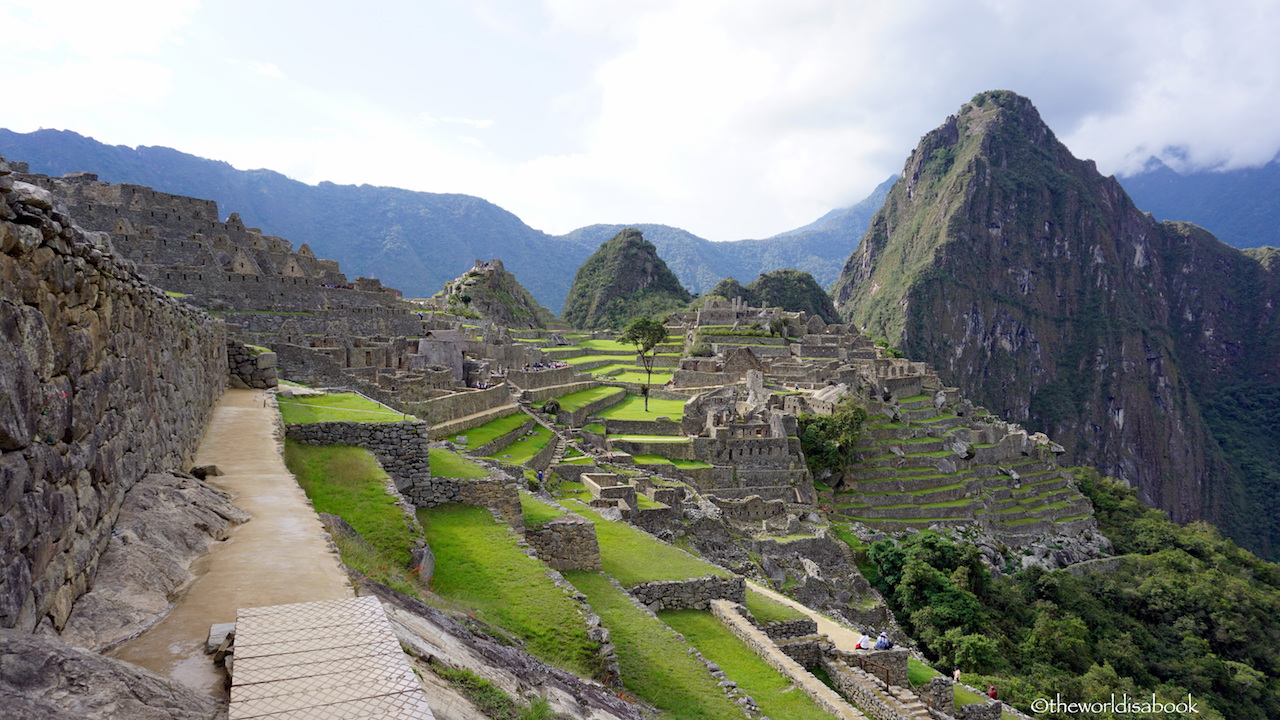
<point x="624" y="279"/>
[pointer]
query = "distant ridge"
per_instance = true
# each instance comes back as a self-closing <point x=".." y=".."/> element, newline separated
<point x="418" y="241"/>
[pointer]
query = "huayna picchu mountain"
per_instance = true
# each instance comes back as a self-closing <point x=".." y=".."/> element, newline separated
<point x="1148" y="349"/>
<point x="622" y="280"/>
<point x="791" y="290"/>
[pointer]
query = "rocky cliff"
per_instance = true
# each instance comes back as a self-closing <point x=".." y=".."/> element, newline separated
<point x="624" y="279"/>
<point x="492" y="292"/>
<point x="1034" y="283"/>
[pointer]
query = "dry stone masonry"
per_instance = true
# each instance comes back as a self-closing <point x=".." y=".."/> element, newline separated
<point x="695" y="594"/>
<point x="103" y="379"/>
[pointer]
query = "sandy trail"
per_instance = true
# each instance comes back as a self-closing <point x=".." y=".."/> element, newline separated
<point x="278" y="557"/>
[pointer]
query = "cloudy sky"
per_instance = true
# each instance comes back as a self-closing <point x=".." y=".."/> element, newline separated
<point x="732" y="119"/>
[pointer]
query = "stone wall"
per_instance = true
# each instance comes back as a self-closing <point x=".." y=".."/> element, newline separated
<point x="400" y="447"/>
<point x="504" y="440"/>
<point x="538" y="379"/>
<point x="695" y="594"/>
<point x="987" y="710"/>
<point x="252" y="369"/>
<point x="103" y="379"/>
<point x="759" y="643"/>
<point x="459" y="405"/>
<point x="853" y="684"/>
<point x="566" y="543"/>
<point x="578" y="418"/>
<point x="784" y="629"/>
<point x="498" y="492"/>
<point x="752" y="507"/>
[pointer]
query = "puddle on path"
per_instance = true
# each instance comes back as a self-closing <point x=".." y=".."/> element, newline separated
<point x="278" y="557"/>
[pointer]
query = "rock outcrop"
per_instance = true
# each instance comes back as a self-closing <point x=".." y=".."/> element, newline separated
<point x="1036" y="286"/>
<point x="167" y="520"/>
<point x="44" y="679"/>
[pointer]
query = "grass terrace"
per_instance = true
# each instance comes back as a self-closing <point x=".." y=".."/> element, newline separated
<point x="773" y="692"/>
<point x="337" y="407"/>
<point x="449" y="464"/>
<point x="655" y="662"/>
<point x="573" y="401"/>
<point x="652" y="438"/>
<point x="478" y="564"/>
<point x="633" y="556"/>
<point x="524" y="448"/>
<point x="492" y="430"/>
<point x="347" y="482"/>
<point x="608" y="346"/>
<point x="767" y="610"/>
<point x="659" y="460"/>
<point x="535" y="511"/>
<point x="632" y="408"/>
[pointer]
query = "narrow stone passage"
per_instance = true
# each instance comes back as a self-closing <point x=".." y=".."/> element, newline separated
<point x="278" y="557"/>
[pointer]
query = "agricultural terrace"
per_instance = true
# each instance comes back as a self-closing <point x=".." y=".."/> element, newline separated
<point x="337" y="407"/>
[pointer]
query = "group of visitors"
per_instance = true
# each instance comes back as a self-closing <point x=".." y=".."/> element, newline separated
<point x="866" y="643"/>
<point x="545" y="366"/>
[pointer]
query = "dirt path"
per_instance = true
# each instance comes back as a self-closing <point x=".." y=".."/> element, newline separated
<point x="278" y="557"/>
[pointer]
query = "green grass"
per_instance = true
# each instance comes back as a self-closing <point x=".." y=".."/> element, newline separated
<point x="634" y="557"/>
<point x="652" y="438"/>
<point x="478" y="564"/>
<point x="524" y="448"/>
<point x="964" y="696"/>
<point x="337" y="407"/>
<point x="490" y="699"/>
<point x="611" y="345"/>
<point x="654" y="661"/>
<point x="658" y="378"/>
<point x="574" y="490"/>
<point x="174" y="294"/>
<point x="918" y="673"/>
<point x="449" y="464"/>
<point x="494" y="429"/>
<point x="535" y="511"/>
<point x="347" y="482"/>
<point x="767" y="610"/>
<point x="773" y="692"/>
<point x="582" y="398"/>
<point x="632" y="408"/>
<point x="644" y="502"/>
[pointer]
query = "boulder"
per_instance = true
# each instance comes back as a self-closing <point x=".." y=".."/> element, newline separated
<point x="44" y="679"/>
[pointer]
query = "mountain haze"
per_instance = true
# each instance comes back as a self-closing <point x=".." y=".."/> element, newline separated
<point x="1151" y="350"/>
<point x="418" y="241"/>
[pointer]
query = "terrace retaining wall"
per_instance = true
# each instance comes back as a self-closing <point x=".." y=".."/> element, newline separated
<point x="696" y="594"/>
<point x="566" y="543"/>
<point x="400" y="447"/>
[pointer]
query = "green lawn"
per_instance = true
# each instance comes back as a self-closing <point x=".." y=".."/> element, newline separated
<point x="632" y="408"/>
<point x="612" y="345"/>
<point x="658" y="378"/>
<point x="633" y="556"/>
<point x="659" y="460"/>
<point x="654" y="661"/>
<point x="573" y="401"/>
<point x="535" y="511"/>
<point x="524" y="448"/>
<point x="773" y="692"/>
<point x="478" y="564"/>
<point x="446" y="463"/>
<point x="347" y="482"/>
<point x="336" y="407"/>
<point x="494" y="429"/>
<point x="918" y="673"/>
<point x="652" y="438"/>
<point x="767" y="610"/>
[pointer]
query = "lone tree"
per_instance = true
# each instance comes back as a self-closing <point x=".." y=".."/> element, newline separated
<point x="645" y="334"/>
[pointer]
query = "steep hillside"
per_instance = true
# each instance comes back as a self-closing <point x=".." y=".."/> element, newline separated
<point x="624" y="279"/>
<point x="1035" y="284"/>
<point x="490" y="291"/>
<point x="1241" y="207"/>
<point x="793" y="290"/>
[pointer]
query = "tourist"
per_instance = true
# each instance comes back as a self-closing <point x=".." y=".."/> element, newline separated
<point x="955" y="674"/>
<point x="864" y="642"/>
<point x="991" y="692"/>
<point x="884" y="643"/>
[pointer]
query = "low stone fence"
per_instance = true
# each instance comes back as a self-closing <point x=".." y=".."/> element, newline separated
<point x="251" y="369"/>
<point x="784" y="629"/>
<point x="695" y="594"/>
<point x="556" y="391"/>
<point x="752" y="637"/>
<point x="987" y="710"/>
<point x="889" y="666"/>
<point x="644" y="427"/>
<point x="566" y="543"/>
<point x="502" y="442"/>
<point x="808" y="651"/>
<point x="498" y="491"/>
<point x="542" y="459"/>
<point x="939" y="694"/>
<point x="672" y="450"/>
<point x="577" y="418"/>
<point x="537" y="379"/>
<point x="400" y="447"/>
<point x="462" y="404"/>
<point x="655" y="520"/>
<point x="752" y="507"/>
